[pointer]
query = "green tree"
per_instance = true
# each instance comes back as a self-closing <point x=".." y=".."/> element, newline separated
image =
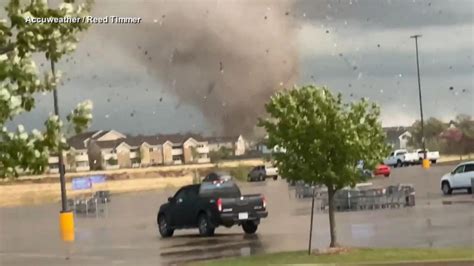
<point x="323" y="139"/>
<point x="219" y="155"/>
<point x="194" y="154"/>
<point x="20" y="80"/>
<point x="112" y="161"/>
<point x="432" y="129"/>
<point x="71" y="159"/>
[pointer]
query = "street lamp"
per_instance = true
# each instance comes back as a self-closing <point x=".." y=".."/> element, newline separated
<point x="426" y="163"/>
<point x="66" y="217"/>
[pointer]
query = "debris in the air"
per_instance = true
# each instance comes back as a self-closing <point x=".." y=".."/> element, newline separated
<point x="354" y="68"/>
<point x="287" y="13"/>
<point x="340" y="54"/>
<point x="451" y="88"/>
<point x="88" y="54"/>
<point x="450" y="67"/>
<point x="327" y="31"/>
<point x="108" y="100"/>
<point x="265" y="17"/>
<point x="161" y="99"/>
<point x="146" y="52"/>
<point x="350" y="85"/>
<point x="221" y="67"/>
<point x="132" y="114"/>
<point x="378" y="45"/>
<point x="106" y="116"/>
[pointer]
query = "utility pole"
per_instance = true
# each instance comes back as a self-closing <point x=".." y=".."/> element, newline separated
<point x="425" y="161"/>
<point x="66" y="218"/>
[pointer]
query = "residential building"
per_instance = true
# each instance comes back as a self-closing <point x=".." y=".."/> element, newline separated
<point x="189" y="148"/>
<point x="103" y="155"/>
<point x="145" y="150"/>
<point x="397" y="137"/>
<point x="196" y="151"/>
<point x="235" y="143"/>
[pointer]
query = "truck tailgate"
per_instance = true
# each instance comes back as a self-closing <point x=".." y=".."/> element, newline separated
<point x="247" y="207"/>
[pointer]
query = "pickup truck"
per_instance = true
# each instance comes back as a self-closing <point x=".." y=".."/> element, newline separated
<point x="401" y="157"/>
<point x="433" y="156"/>
<point x="261" y="172"/>
<point x="208" y="205"/>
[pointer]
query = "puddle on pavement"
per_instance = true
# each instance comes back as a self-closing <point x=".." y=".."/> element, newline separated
<point x="211" y="248"/>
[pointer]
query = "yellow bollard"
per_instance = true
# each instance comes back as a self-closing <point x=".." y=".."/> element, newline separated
<point x="426" y="163"/>
<point x="66" y="226"/>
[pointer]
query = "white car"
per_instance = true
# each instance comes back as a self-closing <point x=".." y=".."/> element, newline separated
<point x="401" y="157"/>
<point x="459" y="178"/>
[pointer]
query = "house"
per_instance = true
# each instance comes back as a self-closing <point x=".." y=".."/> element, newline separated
<point x="188" y="148"/>
<point x="397" y="137"/>
<point x="104" y="154"/>
<point x="102" y="150"/>
<point x="148" y="149"/>
<point x="76" y="159"/>
<point x="235" y="143"/>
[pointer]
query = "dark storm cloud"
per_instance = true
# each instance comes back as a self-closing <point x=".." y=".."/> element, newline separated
<point x="387" y="14"/>
<point x="372" y="37"/>
<point x="390" y="64"/>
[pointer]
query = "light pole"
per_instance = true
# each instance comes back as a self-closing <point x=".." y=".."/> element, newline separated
<point x="66" y="218"/>
<point x="426" y="163"/>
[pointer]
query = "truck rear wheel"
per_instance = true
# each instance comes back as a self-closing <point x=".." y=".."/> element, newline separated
<point x="249" y="227"/>
<point x="205" y="227"/>
<point x="275" y="177"/>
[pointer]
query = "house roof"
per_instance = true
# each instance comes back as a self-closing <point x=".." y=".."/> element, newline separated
<point x="77" y="141"/>
<point x="179" y="138"/>
<point x="222" y="139"/>
<point x="140" y="139"/>
<point x="394" y="132"/>
<point x="109" y="144"/>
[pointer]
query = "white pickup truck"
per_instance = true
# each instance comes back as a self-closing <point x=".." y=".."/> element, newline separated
<point x="433" y="156"/>
<point x="399" y="158"/>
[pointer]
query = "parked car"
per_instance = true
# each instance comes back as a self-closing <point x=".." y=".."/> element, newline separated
<point x="433" y="156"/>
<point x="209" y="205"/>
<point x="401" y="157"/>
<point x="459" y="178"/>
<point x="261" y="172"/>
<point x="382" y="169"/>
<point x="217" y="176"/>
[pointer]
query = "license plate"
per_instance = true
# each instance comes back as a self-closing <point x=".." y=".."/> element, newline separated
<point x="243" y="215"/>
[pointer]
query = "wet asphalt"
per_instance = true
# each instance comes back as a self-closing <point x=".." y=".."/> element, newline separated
<point x="126" y="234"/>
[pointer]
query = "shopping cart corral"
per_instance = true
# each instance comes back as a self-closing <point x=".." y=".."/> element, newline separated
<point x="96" y="204"/>
<point x="369" y="198"/>
<point x="89" y="201"/>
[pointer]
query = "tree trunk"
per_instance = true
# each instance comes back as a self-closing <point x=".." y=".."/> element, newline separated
<point x="332" y="220"/>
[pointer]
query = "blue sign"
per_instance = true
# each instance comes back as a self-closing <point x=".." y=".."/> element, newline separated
<point x="96" y="179"/>
<point x="81" y="183"/>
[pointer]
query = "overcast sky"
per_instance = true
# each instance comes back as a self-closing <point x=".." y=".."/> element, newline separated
<point x="359" y="48"/>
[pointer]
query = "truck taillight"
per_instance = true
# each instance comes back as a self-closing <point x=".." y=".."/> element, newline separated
<point x="264" y="201"/>
<point x="219" y="204"/>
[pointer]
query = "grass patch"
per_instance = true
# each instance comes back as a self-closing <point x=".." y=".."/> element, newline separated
<point x="351" y="257"/>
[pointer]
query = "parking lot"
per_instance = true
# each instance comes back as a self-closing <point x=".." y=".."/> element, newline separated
<point x="128" y="234"/>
